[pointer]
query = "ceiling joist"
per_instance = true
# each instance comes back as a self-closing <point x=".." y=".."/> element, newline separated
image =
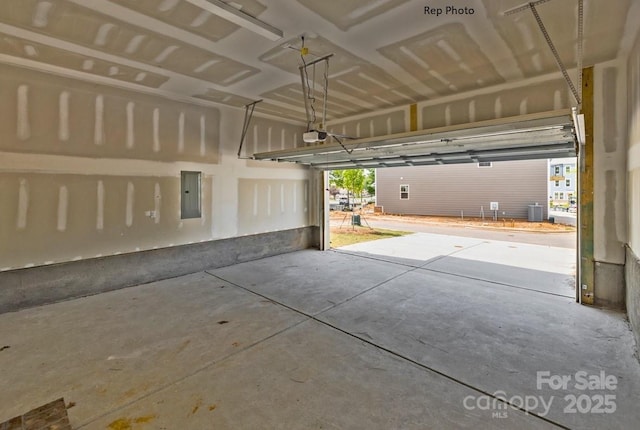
<point x="238" y="17"/>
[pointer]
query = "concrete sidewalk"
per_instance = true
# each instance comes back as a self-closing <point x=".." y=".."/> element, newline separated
<point x="318" y="340"/>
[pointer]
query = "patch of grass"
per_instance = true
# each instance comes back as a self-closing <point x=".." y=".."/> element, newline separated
<point x="348" y="235"/>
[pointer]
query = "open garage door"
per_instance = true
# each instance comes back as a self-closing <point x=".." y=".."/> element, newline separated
<point x="533" y="136"/>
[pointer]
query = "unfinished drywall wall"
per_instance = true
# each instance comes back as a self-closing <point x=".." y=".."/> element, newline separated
<point x="264" y="135"/>
<point x="633" y="147"/>
<point x="64" y="217"/>
<point x="506" y="100"/>
<point x="609" y="178"/>
<point x="91" y="171"/>
<point x="610" y="231"/>
<point x="537" y="96"/>
<point x="268" y="205"/>
<point x="46" y="114"/>
<point x="388" y="122"/>
<point x="633" y="189"/>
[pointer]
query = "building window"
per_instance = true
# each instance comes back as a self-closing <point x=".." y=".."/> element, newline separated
<point x="568" y="182"/>
<point x="561" y="196"/>
<point x="557" y="170"/>
<point x="190" y="190"/>
<point x="404" y="192"/>
<point x="567" y="169"/>
<point x="484" y="164"/>
<point x="557" y="183"/>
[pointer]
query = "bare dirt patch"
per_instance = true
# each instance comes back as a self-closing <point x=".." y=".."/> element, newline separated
<point x="501" y="224"/>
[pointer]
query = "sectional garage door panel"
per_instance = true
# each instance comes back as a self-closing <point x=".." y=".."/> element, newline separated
<point x="534" y="136"/>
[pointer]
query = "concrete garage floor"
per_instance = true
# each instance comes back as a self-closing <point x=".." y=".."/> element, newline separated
<point x="424" y="338"/>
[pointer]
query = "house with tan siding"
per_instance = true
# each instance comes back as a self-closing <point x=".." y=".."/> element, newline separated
<point x="464" y="189"/>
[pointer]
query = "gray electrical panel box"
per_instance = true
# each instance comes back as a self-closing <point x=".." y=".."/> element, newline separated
<point x="190" y="183"/>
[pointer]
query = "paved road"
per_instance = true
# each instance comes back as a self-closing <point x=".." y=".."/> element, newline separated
<point x="561" y="240"/>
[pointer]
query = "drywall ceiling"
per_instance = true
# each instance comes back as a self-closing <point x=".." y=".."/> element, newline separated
<point x="386" y="52"/>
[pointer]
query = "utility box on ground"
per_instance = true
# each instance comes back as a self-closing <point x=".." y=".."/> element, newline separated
<point x="535" y="213"/>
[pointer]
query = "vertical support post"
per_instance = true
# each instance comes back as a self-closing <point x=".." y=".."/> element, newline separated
<point x="324" y="211"/>
<point x="413" y="117"/>
<point x="586" y="285"/>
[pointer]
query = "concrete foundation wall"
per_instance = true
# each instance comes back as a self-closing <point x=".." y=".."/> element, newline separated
<point x="609" y="285"/>
<point x="36" y="286"/>
<point x="88" y="171"/>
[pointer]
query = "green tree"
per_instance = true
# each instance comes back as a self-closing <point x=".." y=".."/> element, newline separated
<point x="370" y="182"/>
<point x="336" y="178"/>
<point x="354" y="181"/>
